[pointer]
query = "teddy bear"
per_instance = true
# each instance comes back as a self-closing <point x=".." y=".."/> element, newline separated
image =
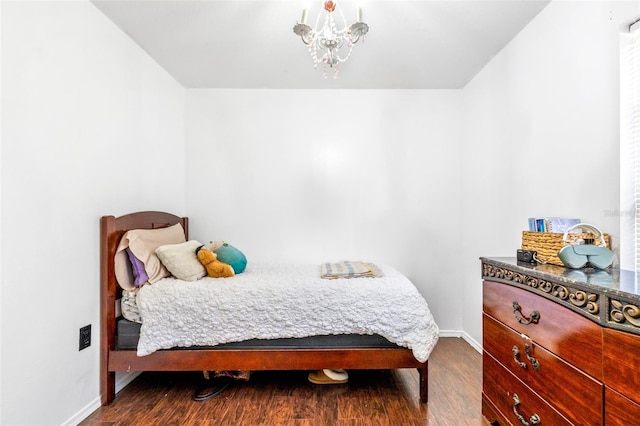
<point x="214" y="267"/>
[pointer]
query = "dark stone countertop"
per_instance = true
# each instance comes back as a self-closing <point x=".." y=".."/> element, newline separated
<point x="610" y="297"/>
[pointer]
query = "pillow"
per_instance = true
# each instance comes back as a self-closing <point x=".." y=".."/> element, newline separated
<point x="129" y="306"/>
<point x="181" y="260"/>
<point x="231" y="256"/>
<point x="139" y="274"/>
<point x="143" y="243"/>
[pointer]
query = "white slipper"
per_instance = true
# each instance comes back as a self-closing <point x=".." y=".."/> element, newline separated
<point x="328" y="377"/>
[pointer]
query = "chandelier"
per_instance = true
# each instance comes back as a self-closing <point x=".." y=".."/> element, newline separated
<point x="326" y="40"/>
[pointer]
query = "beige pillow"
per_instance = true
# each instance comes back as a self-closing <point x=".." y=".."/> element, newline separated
<point x="181" y="260"/>
<point x="143" y="244"/>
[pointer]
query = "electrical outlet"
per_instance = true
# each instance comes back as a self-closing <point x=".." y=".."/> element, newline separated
<point x="85" y="337"/>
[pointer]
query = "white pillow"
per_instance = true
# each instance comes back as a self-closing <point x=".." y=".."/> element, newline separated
<point x="181" y="260"/>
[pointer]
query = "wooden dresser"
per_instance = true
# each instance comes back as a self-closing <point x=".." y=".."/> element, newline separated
<point x="560" y="346"/>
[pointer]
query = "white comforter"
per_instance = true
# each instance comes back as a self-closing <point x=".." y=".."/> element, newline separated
<point x="270" y="301"/>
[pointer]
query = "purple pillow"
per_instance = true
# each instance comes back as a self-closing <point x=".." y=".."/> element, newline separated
<point x="139" y="273"/>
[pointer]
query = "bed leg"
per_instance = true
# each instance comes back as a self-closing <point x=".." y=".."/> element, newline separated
<point x="108" y="388"/>
<point x="424" y="382"/>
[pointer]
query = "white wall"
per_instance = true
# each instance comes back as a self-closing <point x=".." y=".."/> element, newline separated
<point x="88" y="120"/>
<point x="313" y="176"/>
<point x="541" y="134"/>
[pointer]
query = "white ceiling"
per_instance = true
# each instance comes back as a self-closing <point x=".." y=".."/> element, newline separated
<point x="424" y="44"/>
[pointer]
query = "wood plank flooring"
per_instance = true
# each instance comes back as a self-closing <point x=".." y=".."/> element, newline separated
<point x="372" y="397"/>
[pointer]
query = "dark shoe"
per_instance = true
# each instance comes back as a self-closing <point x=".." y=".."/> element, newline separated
<point x="212" y="388"/>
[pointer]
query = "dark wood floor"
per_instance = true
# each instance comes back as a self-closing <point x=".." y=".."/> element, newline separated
<point x="376" y="397"/>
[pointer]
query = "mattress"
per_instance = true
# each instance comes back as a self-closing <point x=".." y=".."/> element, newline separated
<point x="129" y="333"/>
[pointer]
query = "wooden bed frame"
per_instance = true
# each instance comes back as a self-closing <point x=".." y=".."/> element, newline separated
<point x="111" y="359"/>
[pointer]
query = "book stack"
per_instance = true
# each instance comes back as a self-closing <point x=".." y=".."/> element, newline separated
<point x="551" y="224"/>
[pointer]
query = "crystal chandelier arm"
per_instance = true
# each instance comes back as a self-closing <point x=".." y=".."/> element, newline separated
<point x="357" y="30"/>
<point x="305" y="32"/>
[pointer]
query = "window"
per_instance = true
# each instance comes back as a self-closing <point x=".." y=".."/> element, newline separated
<point x="630" y="150"/>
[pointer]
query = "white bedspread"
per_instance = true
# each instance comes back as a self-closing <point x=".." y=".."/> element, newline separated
<point x="270" y="301"/>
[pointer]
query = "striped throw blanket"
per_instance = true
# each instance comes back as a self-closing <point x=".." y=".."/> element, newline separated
<point x="349" y="269"/>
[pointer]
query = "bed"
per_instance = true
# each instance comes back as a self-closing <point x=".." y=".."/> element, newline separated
<point x="118" y="337"/>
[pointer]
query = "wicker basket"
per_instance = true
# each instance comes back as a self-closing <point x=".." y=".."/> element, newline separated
<point x="548" y="244"/>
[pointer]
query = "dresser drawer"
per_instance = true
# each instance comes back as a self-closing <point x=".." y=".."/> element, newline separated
<point x="569" y="335"/>
<point x="512" y="398"/>
<point x="622" y="363"/>
<point x="619" y="410"/>
<point x="491" y="413"/>
<point x="569" y="390"/>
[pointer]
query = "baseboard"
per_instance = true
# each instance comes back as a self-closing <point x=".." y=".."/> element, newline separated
<point x="83" y="413"/>
<point x="473" y="342"/>
<point x="92" y="406"/>
<point x="125" y="379"/>
<point x="464" y="336"/>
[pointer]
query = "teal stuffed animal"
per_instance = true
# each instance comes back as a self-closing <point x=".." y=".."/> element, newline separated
<point x="230" y="255"/>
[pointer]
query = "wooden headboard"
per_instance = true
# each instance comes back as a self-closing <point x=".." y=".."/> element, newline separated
<point x="111" y="231"/>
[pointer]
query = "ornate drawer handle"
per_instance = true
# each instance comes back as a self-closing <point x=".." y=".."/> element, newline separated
<point x="522" y="318"/>
<point x="534" y="362"/>
<point x="527" y="350"/>
<point x="533" y="420"/>
<point x="516" y="355"/>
